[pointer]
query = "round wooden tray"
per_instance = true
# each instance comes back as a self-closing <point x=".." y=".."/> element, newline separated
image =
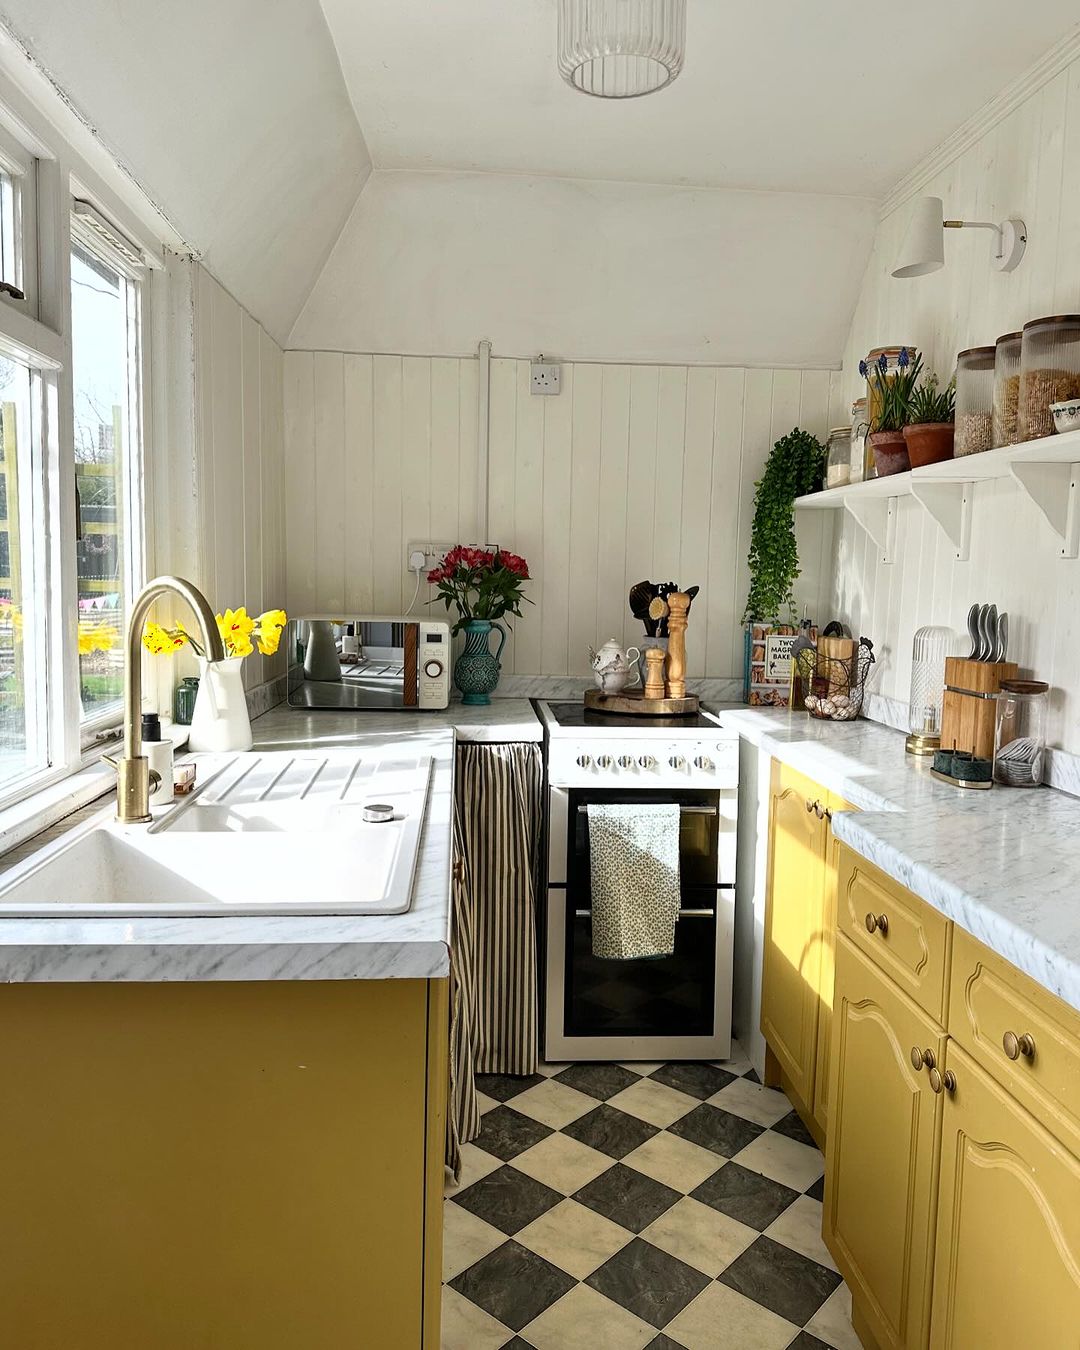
<point x="633" y="703"/>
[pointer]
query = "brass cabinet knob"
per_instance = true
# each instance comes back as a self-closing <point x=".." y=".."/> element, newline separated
<point x="916" y="1058"/>
<point x="928" y="1058"/>
<point x="948" y="1079"/>
<point x="878" y="922"/>
<point x="935" y="1080"/>
<point x="809" y="806"/>
<point x="819" y="811"/>
<point x="1015" y="1046"/>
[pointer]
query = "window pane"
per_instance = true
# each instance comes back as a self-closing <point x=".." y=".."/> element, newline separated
<point x="22" y="683"/>
<point x="101" y="365"/>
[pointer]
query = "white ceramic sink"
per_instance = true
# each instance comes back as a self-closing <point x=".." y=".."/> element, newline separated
<point x="266" y="834"/>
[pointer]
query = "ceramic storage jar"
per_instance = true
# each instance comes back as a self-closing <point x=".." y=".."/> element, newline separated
<point x="1049" y="372"/>
<point x="1006" y="389"/>
<point x="974" y="400"/>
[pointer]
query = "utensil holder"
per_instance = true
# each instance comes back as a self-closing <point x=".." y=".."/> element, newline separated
<point x="970" y="702"/>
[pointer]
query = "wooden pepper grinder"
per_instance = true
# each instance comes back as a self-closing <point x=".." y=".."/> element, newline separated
<point x="654" y="672"/>
<point x="678" y="605"/>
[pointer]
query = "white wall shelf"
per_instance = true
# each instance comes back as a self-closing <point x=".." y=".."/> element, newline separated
<point x="1047" y="469"/>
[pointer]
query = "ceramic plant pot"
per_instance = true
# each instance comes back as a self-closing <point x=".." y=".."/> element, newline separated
<point x="220" y="719"/>
<point x="476" y="671"/>
<point x="890" y="452"/>
<point x="929" y="442"/>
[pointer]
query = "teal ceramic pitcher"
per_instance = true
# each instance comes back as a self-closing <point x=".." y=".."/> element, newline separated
<point x="476" y="672"/>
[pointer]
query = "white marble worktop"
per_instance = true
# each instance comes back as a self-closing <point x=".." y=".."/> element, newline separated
<point x="414" y="945"/>
<point x="1004" y="864"/>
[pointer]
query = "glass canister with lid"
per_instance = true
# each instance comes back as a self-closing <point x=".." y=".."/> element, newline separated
<point x="1006" y="389"/>
<point x="930" y="648"/>
<point x="1020" y="732"/>
<point x="838" y="458"/>
<point x="974" y="400"/>
<point x="1049" y="372"/>
<point x="858" y="440"/>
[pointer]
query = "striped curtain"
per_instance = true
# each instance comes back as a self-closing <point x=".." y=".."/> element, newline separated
<point x="497" y="825"/>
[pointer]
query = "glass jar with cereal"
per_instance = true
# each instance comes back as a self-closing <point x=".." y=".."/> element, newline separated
<point x="974" y="400"/>
<point x="1049" y="372"/>
<point x="1006" y="388"/>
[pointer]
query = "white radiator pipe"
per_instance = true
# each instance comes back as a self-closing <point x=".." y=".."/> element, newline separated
<point x="483" y="409"/>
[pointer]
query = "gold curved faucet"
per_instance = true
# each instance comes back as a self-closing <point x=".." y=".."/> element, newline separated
<point x="133" y="769"/>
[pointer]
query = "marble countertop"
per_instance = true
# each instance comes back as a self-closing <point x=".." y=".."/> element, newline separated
<point x="1004" y="864"/>
<point x="503" y="719"/>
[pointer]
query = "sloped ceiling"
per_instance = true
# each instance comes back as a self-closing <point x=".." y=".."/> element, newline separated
<point x="233" y="117"/>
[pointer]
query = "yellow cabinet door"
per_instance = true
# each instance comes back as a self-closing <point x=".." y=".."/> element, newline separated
<point x="826" y="973"/>
<point x="881" y="1154"/>
<point x="793" y="927"/>
<point x="1007" y="1264"/>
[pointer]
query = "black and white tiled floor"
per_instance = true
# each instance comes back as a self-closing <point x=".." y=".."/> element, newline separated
<point x="625" y="1207"/>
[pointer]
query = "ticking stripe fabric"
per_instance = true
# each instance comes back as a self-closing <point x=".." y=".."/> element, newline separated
<point x="498" y="816"/>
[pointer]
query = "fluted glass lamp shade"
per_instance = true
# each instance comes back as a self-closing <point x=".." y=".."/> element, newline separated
<point x="621" y="48"/>
<point x="924" y="243"/>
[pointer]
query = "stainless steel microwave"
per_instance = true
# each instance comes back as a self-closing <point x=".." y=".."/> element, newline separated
<point x="368" y="662"/>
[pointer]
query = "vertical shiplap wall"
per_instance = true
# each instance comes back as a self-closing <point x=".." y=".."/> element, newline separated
<point x="240" y="466"/>
<point x="1024" y="166"/>
<point x="630" y="472"/>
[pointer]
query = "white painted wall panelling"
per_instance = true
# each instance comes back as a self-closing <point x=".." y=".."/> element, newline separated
<point x="630" y="472"/>
<point x="1022" y="166"/>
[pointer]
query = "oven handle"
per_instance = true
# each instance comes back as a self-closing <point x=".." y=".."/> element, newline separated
<point x="683" y="914"/>
<point x="683" y="811"/>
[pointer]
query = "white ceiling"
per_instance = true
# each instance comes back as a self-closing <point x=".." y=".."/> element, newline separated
<point x="799" y="95"/>
<point x="233" y="117"/>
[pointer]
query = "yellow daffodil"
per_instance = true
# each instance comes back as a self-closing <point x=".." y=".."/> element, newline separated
<point x="236" y="628"/>
<point x="159" y="640"/>
<point x="268" y="630"/>
<point x="97" y="637"/>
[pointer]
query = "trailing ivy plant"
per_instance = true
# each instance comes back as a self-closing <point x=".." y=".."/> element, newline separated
<point x="794" y="467"/>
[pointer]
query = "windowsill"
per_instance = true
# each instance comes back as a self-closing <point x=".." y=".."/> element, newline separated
<point x="37" y="811"/>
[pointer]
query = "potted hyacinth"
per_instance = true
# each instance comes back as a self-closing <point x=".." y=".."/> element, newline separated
<point x="931" y="423"/>
<point x="892" y="390"/>
<point x="482" y="586"/>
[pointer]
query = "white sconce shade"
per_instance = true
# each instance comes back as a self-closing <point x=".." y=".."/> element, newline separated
<point x="924" y="244"/>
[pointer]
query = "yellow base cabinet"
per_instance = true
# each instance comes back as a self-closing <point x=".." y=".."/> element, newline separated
<point x="229" y="1166"/>
<point x="881" y="1154"/>
<point x="800" y="909"/>
<point x="1007" y="1262"/>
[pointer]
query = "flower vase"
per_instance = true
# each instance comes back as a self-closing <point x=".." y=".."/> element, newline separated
<point x="220" y="720"/>
<point x="476" y="671"/>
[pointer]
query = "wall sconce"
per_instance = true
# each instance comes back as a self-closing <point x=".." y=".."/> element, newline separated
<point x="924" y="243"/>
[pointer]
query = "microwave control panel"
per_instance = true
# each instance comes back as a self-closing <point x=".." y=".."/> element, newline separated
<point x="433" y="666"/>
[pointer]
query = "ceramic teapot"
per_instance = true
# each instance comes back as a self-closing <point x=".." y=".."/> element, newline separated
<point x="613" y="668"/>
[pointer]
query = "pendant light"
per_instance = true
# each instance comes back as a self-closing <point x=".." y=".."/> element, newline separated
<point x="621" y="48"/>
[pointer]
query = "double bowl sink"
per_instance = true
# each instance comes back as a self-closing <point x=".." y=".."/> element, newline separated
<point x="265" y="833"/>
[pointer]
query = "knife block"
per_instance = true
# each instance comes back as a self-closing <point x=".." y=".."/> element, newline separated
<point x="969" y="705"/>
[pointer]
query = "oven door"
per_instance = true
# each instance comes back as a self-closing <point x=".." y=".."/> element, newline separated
<point x="672" y="1007"/>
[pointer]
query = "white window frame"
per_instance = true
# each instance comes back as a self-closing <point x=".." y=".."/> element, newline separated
<point x="21" y="166"/>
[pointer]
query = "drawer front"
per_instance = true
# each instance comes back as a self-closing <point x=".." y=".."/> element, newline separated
<point x="906" y="937"/>
<point x="991" y="1003"/>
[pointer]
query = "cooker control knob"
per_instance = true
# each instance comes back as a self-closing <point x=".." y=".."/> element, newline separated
<point x="626" y="761"/>
<point x="605" y="762"/>
<point x="646" y="762"/>
<point x="433" y="669"/>
<point x="703" y="762"/>
<point x="677" y="762"/>
<point x="583" y="761"/>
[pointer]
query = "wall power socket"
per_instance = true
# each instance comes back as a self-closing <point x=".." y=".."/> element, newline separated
<point x="424" y="556"/>
<point x="546" y="376"/>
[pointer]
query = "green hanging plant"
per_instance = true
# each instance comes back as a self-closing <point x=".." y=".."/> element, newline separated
<point x="795" y="466"/>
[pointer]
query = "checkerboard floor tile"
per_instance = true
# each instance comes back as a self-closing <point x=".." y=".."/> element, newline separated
<point x="640" y="1206"/>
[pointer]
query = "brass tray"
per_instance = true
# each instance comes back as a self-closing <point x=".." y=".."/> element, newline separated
<point x="633" y="703"/>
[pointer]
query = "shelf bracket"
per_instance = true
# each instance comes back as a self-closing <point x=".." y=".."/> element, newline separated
<point x="1052" y="487"/>
<point x="877" y="516"/>
<point x="950" y="504"/>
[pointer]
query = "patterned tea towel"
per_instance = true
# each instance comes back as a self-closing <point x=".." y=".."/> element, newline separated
<point x="634" y="858"/>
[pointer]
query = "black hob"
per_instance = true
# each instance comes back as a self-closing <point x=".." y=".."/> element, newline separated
<point x="577" y="715"/>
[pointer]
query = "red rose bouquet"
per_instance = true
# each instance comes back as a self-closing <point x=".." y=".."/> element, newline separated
<point x="480" y="584"/>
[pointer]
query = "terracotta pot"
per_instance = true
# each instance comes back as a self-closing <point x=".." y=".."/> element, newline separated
<point x="929" y="442"/>
<point x="890" y="452"/>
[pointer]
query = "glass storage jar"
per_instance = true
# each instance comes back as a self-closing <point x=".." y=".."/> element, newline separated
<point x="1006" y="388"/>
<point x="892" y="364"/>
<point x="838" y="458"/>
<point x="974" y="400"/>
<point x="857" y="445"/>
<point x="1020" y="732"/>
<point x="929" y="650"/>
<point x="1049" y="372"/>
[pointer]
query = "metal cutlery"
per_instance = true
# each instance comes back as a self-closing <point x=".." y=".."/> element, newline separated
<point x="989" y="633"/>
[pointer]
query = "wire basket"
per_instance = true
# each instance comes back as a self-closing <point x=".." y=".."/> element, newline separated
<point x="835" y="686"/>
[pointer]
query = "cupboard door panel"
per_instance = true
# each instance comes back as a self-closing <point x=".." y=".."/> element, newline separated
<point x="793" y="928"/>
<point x="826" y="981"/>
<point x="881" y="1152"/>
<point x="1008" y="1239"/>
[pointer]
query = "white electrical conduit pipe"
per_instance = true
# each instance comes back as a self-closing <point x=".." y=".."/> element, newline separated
<point x="483" y="410"/>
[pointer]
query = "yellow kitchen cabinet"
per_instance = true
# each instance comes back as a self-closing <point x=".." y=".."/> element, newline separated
<point x="1007" y="1259"/>
<point x="233" y="1166"/>
<point x="881" y="1155"/>
<point x="800" y="909"/>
